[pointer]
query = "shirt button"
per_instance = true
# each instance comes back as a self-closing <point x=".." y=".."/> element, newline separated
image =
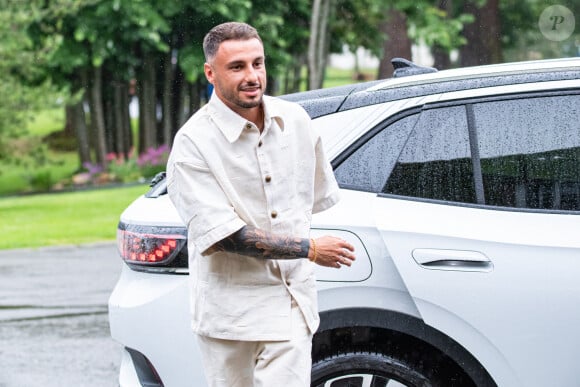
<point x="274" y="214"/>
<point x="260" y="143"/>
<point x="248" y="126"/>
<point x="268" y="178"/>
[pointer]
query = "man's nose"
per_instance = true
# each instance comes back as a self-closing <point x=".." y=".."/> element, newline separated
<point x="251" y="74"/>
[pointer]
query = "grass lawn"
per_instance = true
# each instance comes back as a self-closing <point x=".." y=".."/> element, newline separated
<point x="64" y="218"/>
<point x="50" y="120"/>
<point x="340" y="77"/>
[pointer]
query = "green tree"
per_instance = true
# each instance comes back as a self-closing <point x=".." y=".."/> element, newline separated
<point x="424" y="22"/>
<point x="335" y="24"/>
<point x="93" y="56"/>
<point x="523" y="40"/>
<point x="103" y="52"/>
<point x="23" y="90"/>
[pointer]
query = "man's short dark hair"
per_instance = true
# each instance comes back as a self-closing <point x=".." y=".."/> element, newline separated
<point x="226" y="31"/>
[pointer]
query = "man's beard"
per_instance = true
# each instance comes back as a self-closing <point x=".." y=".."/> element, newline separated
<point x="249" y="104"/>
<point x="252" y="103"/>
<point x="234" y="99"/>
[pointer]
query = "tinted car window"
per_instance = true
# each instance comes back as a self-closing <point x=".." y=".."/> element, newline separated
<point x="368" y="167"/>
<point x="530" y="152"/>
<point x="436" y="160"/>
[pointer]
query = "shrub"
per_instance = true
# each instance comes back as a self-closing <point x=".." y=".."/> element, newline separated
<point x="128" y="169"/>
<point x="153" y="161"/>
<point x="40" y="180"/>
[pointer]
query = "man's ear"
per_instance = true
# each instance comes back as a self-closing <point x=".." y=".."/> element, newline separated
<point x="208" y="72"/>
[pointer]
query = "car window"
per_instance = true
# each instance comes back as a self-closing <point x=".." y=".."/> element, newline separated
<point x="368" y="167"/>
<point x="436" y="160"/>
<point x="530" y="152"/>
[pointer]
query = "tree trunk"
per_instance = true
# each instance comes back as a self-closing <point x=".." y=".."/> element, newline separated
<point x="195" y="92"/>
<point x="69" y="129"/>
<point x="109" y="104"/>
<point x="148" y="106"/>
<point x="297" y="78"/>
<point x="178" y="96"/>
<point x="273" y="86"/>
<point x="141" y="118"/>
<point x="76" y="114"/>
<point x="441" y="57"/>
<point x="318" y="44"/>
<point x="121" y="147"/>
<point x="80" y="125"/>
<point x="97" y="115"/>
<point x="483" y="35"/>
<point x="397" y="43"/>
<point x="126" y="119"/>
<point x="293" y="74"/>
<point x="168" y="109"/>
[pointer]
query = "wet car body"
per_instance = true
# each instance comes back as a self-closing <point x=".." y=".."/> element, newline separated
<point x="461" y="194"/>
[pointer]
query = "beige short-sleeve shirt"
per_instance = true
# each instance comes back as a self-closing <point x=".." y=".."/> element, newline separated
<point x="224" y="174"/>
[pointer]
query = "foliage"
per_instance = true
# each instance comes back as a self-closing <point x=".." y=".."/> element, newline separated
<point x="153" y="161"/>
<point x="17" y="175"/>
<point x="41" y="180"/>
<point x="46" y="44"/>
<point x="20" y="93"/>
<point x="521" y="38"/>
<point x="31" y="157"/>
<point x="127" y="169"/>
<point x="435" y="27"/>
<point x="356" y="24"/>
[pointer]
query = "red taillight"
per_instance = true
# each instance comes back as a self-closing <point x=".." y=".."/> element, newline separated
<point x="142" y="247"/>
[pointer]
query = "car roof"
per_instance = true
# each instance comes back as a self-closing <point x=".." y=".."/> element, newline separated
<point x="326" y="101"/>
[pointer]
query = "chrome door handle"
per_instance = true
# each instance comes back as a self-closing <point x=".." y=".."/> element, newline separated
<point x="459" y="260"/>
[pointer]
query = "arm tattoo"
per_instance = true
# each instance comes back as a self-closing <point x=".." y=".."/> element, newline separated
<point x="253" y="242"/>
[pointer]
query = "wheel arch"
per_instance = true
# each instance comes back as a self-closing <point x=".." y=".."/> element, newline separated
<point x="359" y="327"/>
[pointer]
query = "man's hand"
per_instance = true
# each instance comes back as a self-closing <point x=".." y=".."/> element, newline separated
<point x="331" y="252"/>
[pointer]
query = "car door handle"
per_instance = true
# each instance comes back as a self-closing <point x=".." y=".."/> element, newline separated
<point x="459" y="260"/>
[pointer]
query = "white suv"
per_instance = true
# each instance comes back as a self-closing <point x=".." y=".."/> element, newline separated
<point x="461" y="194"/>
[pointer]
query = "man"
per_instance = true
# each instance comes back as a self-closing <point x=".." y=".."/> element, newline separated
<point x="246" y="172"/>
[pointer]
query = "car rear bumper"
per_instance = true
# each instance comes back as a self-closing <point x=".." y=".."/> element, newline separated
<point x="149" y="316"/>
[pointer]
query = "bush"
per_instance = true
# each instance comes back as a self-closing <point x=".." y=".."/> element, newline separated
<point x="127" y="169"/>
<point x="153" y="161"/>
<point x="41" y="180"/>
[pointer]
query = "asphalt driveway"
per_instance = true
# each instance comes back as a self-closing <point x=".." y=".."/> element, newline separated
<point x="54" y="327"/>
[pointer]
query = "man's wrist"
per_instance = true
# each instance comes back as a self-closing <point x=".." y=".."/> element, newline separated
<point x="312" y="253"/>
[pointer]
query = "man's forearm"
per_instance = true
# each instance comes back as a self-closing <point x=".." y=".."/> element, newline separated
<point x="254" y="242"/>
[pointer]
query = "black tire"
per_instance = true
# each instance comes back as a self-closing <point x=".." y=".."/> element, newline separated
<point x="366" y="369"/>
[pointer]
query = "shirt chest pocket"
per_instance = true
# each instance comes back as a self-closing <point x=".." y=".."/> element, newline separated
<point x="242" y="166"/>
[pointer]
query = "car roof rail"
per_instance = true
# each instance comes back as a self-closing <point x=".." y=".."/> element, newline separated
<point x="404" y="68"/>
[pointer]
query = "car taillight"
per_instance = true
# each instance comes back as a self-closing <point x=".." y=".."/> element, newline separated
<point x="150" y="245"/>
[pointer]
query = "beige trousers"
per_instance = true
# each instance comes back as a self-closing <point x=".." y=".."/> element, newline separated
<point x="229" y="363"/>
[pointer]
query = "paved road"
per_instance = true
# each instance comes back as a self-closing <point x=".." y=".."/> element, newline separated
<point x="54" y="328"/>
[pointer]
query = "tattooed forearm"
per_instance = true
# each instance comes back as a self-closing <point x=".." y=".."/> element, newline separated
<point x="253" y="242"/>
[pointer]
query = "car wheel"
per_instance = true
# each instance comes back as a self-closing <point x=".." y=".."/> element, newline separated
<point x="366" y="369"/>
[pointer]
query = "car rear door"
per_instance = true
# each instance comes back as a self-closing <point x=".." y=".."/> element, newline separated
<point x="481" y="215"/>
